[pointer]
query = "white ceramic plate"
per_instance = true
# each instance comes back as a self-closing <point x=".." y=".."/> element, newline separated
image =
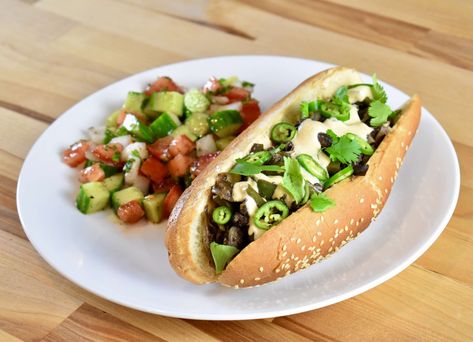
<point x="129" y="266"/>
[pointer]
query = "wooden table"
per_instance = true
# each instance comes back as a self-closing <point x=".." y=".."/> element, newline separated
<point x="55" y="52"/>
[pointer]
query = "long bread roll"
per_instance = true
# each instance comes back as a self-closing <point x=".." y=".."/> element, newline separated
<point x="305" y="237"/>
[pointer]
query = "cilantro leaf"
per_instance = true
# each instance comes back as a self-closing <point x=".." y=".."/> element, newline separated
<point x="320" y="202"/>
<point x="247" y="169"/>
<point x="379" y="94"/>
<point x="292" y="180"/>
<point x="245" y="84"/>
<point x="116" y="157"/>
<point x="108" y="135"/>
<point x="344" y="150"/>
<point x="379" y="113"/>
<point x="136" y="154"/>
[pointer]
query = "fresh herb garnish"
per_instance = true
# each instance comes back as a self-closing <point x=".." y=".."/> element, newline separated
<point x="320" y="202"/>
<point x="108" y="135"/>
<point x="247" y="84"/>
<point x="116" y="157"/>
<point x="379" y="113"/>
<point x="247" y="169"/>
<point x="343" y="149"/>
<point x="292" y="180"/>
<point x="379" y="94"/>
<point x="128" y="165"/>
<point x="136" y="154"/>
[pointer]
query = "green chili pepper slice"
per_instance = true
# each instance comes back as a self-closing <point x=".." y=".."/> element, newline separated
<point x="331" y="110"/>
<point x="256" y="196"/>
<point x="269" y="214"/>
<point x="366" y="148"/>
<point x="283" y="132"/>
<point x="258" y="158"/>
<point x="306" y="193"/>
<point x="222" y="215"/>
<point x="339" y="176"/>
<point x="311" y="166"/>
<point x="266" y="189"/>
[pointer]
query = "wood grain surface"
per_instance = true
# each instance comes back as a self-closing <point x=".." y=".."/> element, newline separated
<point x="55" y="52"/>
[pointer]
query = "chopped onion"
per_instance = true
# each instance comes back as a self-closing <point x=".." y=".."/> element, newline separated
<point x="205" y="145"/>
<point x="216" y="108"/>
<point x="132" y="174"/>
<point x="221" y="100"/>
<point x="96" y="134"/>
<point x="123" y="140"/>
<point x="142" y="183"/>
<point x="89" y="155"/>
<point x="139" y="147"/>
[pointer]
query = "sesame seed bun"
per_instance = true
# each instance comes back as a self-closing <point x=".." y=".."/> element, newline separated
<point x="305" y="237"/>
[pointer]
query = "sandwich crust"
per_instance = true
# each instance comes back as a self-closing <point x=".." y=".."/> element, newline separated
<point x="305" y="237"/>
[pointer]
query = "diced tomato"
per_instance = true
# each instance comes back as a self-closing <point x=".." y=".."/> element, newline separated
<point x="171" y="199"/>
<point x="160" y="148"/>
<point x="169" y="147"/>
<point x="130" y="212"/>
<point x="235" y="94"/>
<point x="200" y="164"/>
<point x="212" y="85"/>
<point x="75" y="154"/>
<point x="93" y="173"/>
<point x="179" y="165"/>
<point x="165" y="185"/>
<point x="250" y="111"/>
<point x="154" y="169"/>
<point x="162" y="84"/>
<point x="181" y="145"/>
<point x="121" y="118"/>
<point x="109" y="153"/>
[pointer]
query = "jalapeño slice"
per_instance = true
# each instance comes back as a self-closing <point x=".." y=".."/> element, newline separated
<point x="283" y="132"/>
<point x="270" y="213"/>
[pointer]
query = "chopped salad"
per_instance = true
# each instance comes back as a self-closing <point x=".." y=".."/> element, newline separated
<point x="152" y="148"/>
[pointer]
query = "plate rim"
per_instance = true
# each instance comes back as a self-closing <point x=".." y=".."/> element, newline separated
<point x="247" y="315"/>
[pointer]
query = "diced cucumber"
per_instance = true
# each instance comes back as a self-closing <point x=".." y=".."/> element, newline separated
<point x="112" y="118"/>
<point x="198" y="124"/>
<point x="184" y="130"/>
<point x="153" y="205"/>
<point x="165" y="124"/>
<point x="225" y="122"/>
<point x="196" y="101"/>
<point x="134" y="102"/>
<point x="137" y="129"/>
<point x="165" y="101"/>
<point x="114" y="183"/>
<point x="92" y="197"/>
<point x="126" y="195"/>
<point x="223" y="142"/>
